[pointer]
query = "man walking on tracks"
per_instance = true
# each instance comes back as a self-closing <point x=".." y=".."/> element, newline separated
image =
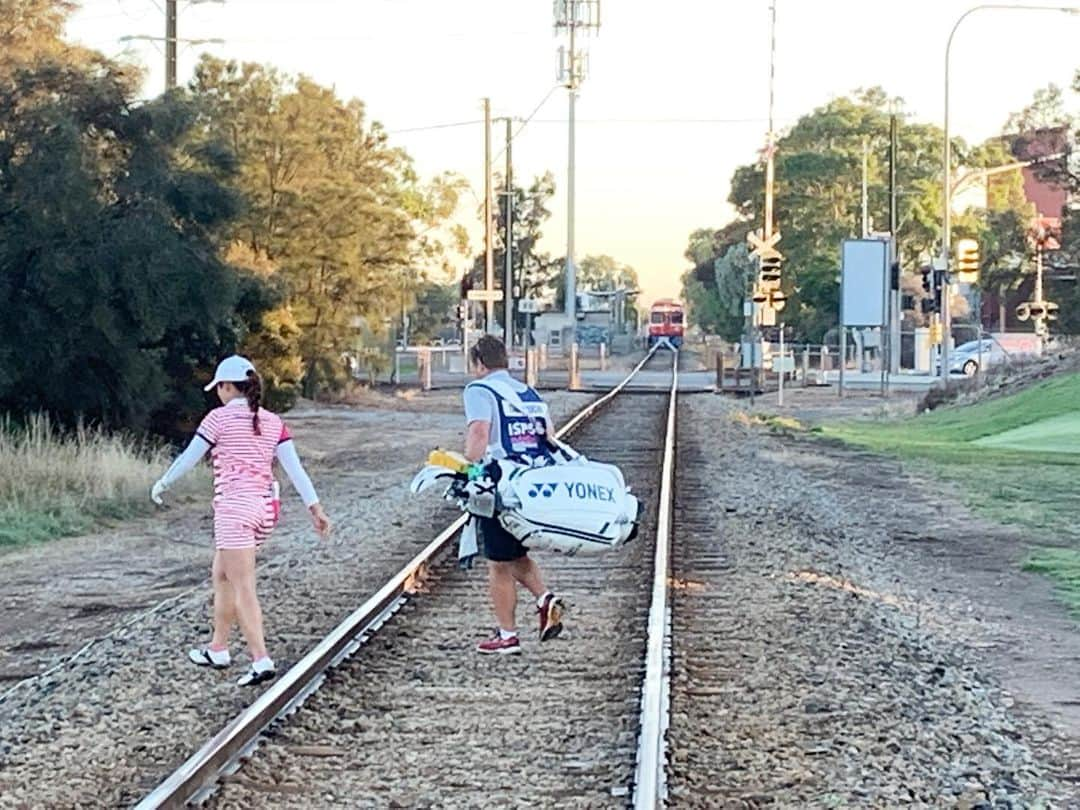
<point x="507" y="419"/>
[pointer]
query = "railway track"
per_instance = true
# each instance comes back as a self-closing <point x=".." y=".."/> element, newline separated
<point x="418" y="719"/>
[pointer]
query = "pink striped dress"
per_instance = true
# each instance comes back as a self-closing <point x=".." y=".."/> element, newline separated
<point x="244" y="511"/>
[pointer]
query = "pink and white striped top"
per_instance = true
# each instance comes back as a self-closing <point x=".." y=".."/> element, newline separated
<point x="243" y="460"/>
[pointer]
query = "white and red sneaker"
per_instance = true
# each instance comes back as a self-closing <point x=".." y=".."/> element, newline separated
<point x="551" y="611"/>
<point x="499" y="646"/>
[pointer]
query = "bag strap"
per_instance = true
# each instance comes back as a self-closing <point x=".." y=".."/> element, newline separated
<point x="504" y="393"/>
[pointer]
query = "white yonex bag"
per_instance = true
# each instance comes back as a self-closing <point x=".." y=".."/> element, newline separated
<point x="561" y="502"/>
<point x="575" y="507"/>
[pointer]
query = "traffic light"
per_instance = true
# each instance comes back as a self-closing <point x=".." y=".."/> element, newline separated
<point x="770" y="270"/>
<point x="466" y="284"/>
<point x="927" y="278"/>
<point x="1051" y="311"/>
<point x="777" y="299"/>
<point x="929" y="305"/>
<point x="967" y="260"/>
<point x="759" y="296"/>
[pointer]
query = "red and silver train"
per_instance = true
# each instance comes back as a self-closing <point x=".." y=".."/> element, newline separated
<point x="666" y="320"/>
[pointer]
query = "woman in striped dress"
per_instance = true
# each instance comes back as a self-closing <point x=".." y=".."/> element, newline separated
<point x="244" y="439"/>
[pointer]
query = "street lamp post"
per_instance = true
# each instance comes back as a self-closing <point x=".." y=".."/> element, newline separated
<point x="946" y="174"/>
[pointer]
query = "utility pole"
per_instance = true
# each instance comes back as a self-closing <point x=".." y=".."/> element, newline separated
<point x="489" y="254"/>
<point x="894" y="226"/>
<point x="571" y="15"/>
<point x="508" y="247"/>
<point x="170" y="44"/>
<point x="172" y="40"/>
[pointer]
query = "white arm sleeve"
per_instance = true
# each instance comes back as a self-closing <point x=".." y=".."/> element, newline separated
<point x="186" y="461"/>
<point x="290" y="462"/>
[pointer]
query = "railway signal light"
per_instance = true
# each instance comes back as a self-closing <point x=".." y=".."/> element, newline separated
<point x="1051" y="311"/>
<point x="777" y="299"/>
<point x="967" y="260"/>
<point x="929" y="305"/>
<point x="759" y="296"/>
<point x="1023" y="311"/>
<point x="1037" y="309"/>
<point x="769" y="271"/>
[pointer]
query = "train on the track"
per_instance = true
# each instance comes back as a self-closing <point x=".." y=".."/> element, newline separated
<point x="666" y="320"/>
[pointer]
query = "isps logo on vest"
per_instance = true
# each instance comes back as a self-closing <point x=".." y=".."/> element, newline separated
<point x="578" y="491"/>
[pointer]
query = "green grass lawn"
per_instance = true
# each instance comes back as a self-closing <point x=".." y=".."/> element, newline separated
<point x="1016" y="460"/>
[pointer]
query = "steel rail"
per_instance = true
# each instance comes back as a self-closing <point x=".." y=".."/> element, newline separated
<point x="650" y="774"/>
<point x="197" y="777"/>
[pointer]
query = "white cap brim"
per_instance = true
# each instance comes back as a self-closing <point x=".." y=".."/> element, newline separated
<point x="234" y="368"/>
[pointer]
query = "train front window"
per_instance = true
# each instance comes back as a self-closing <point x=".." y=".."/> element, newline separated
<point x="676" y="317"/>
<point x="657" y="317"/>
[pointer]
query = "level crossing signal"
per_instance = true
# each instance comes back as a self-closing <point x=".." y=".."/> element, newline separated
<point x="769" y="270"/>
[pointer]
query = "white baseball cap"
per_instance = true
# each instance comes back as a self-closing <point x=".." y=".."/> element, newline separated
<point x="231" y="369"/>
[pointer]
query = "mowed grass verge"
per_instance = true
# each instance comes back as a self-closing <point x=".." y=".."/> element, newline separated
<point x="1015" y="459"/>
<point x="55" y="483"/>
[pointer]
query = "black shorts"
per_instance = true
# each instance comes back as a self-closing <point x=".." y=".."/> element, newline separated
<point x="498" y="544"/>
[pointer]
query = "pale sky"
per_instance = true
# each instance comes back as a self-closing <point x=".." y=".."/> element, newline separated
<point x="676" y="96"/>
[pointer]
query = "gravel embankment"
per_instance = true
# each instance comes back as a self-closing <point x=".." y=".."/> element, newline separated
<point x="811" y="666"/>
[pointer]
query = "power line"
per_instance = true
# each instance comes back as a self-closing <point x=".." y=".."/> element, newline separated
<point x="430" y="127"/>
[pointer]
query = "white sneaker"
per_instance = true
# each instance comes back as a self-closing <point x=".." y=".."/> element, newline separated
<point x="205" y="657"/>
<point x="259" y="672"/>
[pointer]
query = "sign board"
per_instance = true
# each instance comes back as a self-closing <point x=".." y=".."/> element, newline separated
<point x="485" y="295"/>
<point x="528" y="306"/>
<point x="864" y="282"/>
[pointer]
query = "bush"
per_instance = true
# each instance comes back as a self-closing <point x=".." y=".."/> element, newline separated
<point x="55" y="483"/>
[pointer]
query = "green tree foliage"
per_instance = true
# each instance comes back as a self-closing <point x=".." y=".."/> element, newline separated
<point x="30" y="31"/>
<point x="701" y="295"/>
<point x="335" y="212"/>
<point x="116" y="300"/>
<point x="536" y="274"/>
<point x="818" y="197"/>
<point x="818" y="205"/>
<point x="434" y="311"/>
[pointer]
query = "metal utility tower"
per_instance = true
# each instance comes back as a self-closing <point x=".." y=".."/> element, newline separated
<point x="575" y="18"/>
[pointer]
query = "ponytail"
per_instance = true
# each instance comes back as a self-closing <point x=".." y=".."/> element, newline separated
<point x="252" y="389"/>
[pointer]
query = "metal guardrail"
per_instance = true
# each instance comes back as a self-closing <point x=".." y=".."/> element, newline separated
<point x="650" y="775"/>
<point x="196" y="778"/>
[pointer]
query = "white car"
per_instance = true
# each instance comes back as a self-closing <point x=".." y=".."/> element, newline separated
<point x="964" y="359"/>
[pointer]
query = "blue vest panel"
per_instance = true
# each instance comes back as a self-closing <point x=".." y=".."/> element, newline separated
<point x="521" y="434"/>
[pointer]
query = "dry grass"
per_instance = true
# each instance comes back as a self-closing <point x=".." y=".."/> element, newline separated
<point x="55" y="482"/>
